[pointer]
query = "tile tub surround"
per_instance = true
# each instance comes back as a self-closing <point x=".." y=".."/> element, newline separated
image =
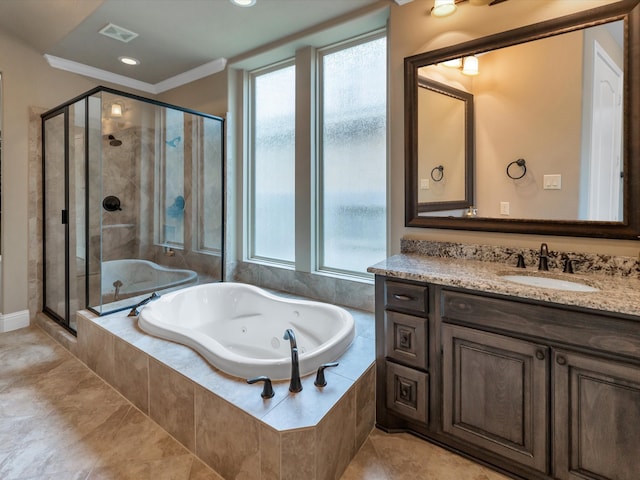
<point x="222" y="419"/>
<point x="617" y="294"/>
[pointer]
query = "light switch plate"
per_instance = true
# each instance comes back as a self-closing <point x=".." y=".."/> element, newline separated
<point x="552" y="182"/>
<point x="424" y="184"/>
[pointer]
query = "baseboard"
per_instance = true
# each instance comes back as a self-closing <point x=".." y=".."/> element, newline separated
<point x="14" y="321"/>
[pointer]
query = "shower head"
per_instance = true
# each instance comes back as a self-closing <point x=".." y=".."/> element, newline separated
<point x="113" y="141"/>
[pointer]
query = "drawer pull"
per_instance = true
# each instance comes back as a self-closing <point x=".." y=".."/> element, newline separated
<point x="561" y="360"/>
<point x="539" y="354"/>
<point x="403" y="298"/>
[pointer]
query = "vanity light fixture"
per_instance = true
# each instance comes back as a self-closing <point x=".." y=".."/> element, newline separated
<point x="470" y="65"/>
<point x="129" y="60"/>
<point x="443" y="8"/>
<point x="454" y="63"/>
<point x="243" y="3"/>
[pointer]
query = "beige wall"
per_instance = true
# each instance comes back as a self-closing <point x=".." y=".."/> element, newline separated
<point x="27" y="80"/>
<point x="412" y="30"/>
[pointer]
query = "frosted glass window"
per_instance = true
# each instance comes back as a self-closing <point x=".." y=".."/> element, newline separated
<point x="352" y="213"/>
<point x="272" y="233"/>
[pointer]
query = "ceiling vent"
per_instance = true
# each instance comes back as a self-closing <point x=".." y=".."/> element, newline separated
<point x="118" y="33"/>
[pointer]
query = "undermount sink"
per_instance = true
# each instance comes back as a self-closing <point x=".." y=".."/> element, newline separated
<point x="549" y="282"/>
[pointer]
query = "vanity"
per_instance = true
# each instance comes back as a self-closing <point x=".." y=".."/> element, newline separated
<point x="538" y="382"/>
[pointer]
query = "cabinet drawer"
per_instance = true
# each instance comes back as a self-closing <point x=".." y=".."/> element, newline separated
<point x="406" y="339"/>
<point x="404" y="296"/>
<point x="407" y="392"/>
<point x="599" y="331"/>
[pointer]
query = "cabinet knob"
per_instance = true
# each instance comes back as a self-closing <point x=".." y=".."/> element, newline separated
<point x="540" y="355"/>
<point x="561" y="360"/>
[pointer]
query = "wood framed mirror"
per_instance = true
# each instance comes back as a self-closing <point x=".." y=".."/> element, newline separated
<point x="566" y="137"/>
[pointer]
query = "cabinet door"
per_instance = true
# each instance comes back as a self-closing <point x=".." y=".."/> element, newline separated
<point x="495" y="394"/>
<point x="596" y="418"/>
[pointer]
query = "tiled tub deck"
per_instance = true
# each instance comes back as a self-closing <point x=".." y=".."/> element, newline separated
<point x="313" y="434"/>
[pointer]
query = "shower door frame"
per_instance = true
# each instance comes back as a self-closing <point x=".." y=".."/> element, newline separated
<point x="64" y="110"/>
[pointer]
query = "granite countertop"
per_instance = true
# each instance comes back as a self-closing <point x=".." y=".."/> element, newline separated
<point x="618" y="294"/>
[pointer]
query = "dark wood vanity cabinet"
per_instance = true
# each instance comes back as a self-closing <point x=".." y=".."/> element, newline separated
<point x="539" y="391"/>
<point x="495" y="393"/>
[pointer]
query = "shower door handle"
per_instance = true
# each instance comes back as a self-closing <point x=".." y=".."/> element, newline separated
<point x="65" y="217"/>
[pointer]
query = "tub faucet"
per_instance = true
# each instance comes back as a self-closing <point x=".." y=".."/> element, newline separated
<point x="544" y="257"/>
<point x="295" y="386"/>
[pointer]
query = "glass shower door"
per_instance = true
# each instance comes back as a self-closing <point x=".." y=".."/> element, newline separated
<point x="55" y="212"/>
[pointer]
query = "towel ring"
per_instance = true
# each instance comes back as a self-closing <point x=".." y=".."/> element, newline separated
<point x="440" y="168"/>
<point x="521" y="163"/>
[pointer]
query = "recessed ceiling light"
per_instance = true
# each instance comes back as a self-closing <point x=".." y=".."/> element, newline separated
<point x="243" y="3"/>
<point x="129" y="60"/>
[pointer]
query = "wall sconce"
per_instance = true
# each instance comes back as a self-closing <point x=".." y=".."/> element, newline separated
<point x="116" y="110"/>
<point x="470" y="65"/>
<point x="455" y="63"/>
<point x="467" y="65"/>
<point x="443" y="8"/>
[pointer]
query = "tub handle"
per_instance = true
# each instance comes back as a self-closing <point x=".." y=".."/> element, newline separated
<point x="320" y="380"/>
<point x="267" y="391"/>
<point x="135" y="311"/>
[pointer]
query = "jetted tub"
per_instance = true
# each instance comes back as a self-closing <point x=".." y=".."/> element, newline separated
<point x="238" y="328"/>
<point x="130" y="277"/>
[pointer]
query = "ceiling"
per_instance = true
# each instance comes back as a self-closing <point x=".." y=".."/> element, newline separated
<point x="178" y="40"/>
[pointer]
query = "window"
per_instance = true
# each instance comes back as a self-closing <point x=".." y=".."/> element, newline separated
<point x="341" y="203"/>
<point x="273" y="164"/>
<point x="353" y="112"/>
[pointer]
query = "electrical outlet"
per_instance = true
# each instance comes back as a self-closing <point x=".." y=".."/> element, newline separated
<point x="504" y="208"/>
<point x="424" y="184"/>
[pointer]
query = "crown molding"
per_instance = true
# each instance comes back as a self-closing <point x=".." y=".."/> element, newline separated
<point x="189" y="76"/>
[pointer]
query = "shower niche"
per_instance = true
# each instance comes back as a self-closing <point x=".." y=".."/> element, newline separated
<point x="133" y="195"/>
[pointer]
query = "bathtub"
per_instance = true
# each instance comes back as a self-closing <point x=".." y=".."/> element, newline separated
<point x="139" y="277"/>
<point x="238" y="328"/>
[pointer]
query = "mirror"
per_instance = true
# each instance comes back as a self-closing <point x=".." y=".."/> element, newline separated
<point x="445" y="161"/>
<point x="549" y="159"/>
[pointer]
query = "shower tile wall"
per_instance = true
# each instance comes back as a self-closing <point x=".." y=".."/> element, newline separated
<point x="121" y="178"/>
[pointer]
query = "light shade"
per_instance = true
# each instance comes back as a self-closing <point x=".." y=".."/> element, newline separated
<point x="243" y="3"/>
<point x="455" y="63"/>
<point x="470" y="66"/>
<point x="116" y="110"/>
<point x="443" y="8"/>
<point x="129" y="60"/>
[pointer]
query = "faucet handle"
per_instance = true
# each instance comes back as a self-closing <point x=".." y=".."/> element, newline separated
<point x="267" y="391"/>
<point x="521" y="263"/>
<point x="320" y="380"/>
<point x="568" y="265"/>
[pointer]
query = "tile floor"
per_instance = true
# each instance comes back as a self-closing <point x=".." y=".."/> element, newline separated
<point x="58" y="420"/>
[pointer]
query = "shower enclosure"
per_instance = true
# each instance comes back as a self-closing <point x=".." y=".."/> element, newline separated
<point x="132" y="202"/>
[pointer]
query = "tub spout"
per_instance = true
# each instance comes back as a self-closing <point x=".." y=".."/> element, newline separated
<point x="295" y="386"/>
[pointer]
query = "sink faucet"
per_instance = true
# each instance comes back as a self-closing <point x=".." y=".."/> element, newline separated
<point x="544" y="257"/>
<point x="295" y="385"/>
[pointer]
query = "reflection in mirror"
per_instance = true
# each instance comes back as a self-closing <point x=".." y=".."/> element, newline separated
<point x="558" y="95"/>
<point x="445" y="147"/>
<point x="571" y="137"/>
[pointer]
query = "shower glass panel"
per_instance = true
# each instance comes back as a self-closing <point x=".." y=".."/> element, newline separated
<point x="143" y="194"/>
